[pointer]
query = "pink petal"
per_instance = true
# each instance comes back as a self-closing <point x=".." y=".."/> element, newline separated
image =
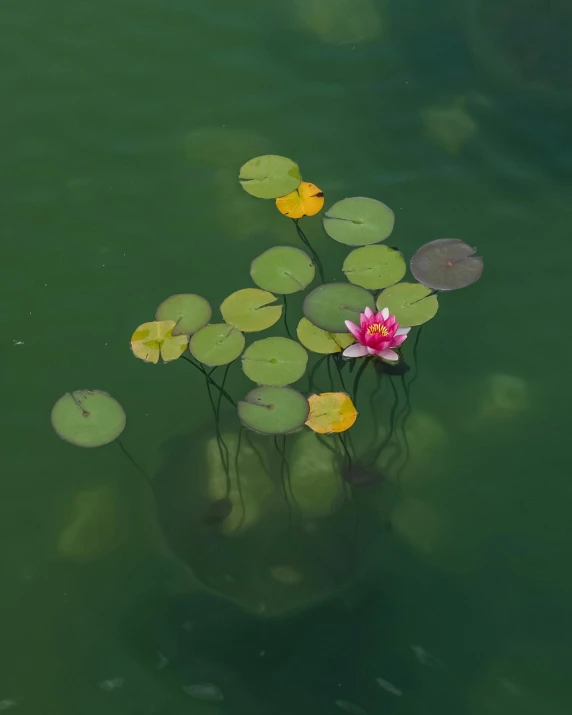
<point x="372" y="351"/>
<point x="389" y="355"/>
<point x="355" y="351"/>
<point x="385" y="313"/>
<point x="402" y="331"/>
<point x="390" y="322"/>
<point x="368" y="312"/>
<point x="397" y="340"/>
<point x="354" y="329"/>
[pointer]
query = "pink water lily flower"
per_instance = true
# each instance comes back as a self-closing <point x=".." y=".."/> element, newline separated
<point x="376" y="334"/>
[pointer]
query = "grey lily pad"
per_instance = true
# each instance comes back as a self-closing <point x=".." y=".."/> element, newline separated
<point x="446" y="264"/>
<point x="88" y="418"/>
<point x="374" y="267"/>
<point x="270" y="176"/>
<point x="328" y="306"/>
<point x="273" y="410"/>
<point x="274" y="361"/>
<point x="359" y="221"/>
<point x="217" y="344"/>
<point x="283" y="269"/>
<point x="411" y="303"/>
<point x="249" y="310"/>
<point x="189" y="311"/>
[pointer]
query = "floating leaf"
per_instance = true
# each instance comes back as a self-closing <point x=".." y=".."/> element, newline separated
<point x="374" y="267"/>
<point x="155" y="339"/>
<point x="331" y="412"/>
<point x="359" y="221"/>
<point x="307" y="200"/>
<point x="282" y="269"/>
<point x="273" y="410"/>
<point x="217" y="344"/>
<point x="328" y="306"/>
<point x="274" y="361"/>
<point x="269" y="176"/>
<point x="320" y="341"/>
<point x="190" y="312"/>
<point x="446" y="264"/>
<point x="88" y="418"/>
<point x="411" y="303"/>
<point x="249" y="310"/>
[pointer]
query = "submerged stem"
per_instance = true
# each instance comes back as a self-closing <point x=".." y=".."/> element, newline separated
<point x="198" y="366"/>
<point x="308" y="245"/>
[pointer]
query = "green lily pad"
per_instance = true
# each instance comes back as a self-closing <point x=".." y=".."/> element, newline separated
<point x="283" y="270"/>
<point x="249" y="310"/>
<point x="270" y="176"/>
<point x="217" y="344"/>
<point x="88" y="418"/>
<point x="374" y="267"/>
<point x="411" y="303"/>
<point x="273" y="410"/>
<point x="359" y="221"/>
<point x="274" y="361"/>
<point x="320" y="341"/>
<point x="190" y="312"/>
<point x="328" y="306"/>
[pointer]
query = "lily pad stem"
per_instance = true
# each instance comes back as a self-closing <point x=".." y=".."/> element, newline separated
<point x="223" y="392"/>
<point x="308" y="245"/>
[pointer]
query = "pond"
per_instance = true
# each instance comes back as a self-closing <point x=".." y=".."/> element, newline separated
<point x="401" y="546"/>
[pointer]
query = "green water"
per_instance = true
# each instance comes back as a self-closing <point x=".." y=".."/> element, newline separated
<point x="123" y="127"/>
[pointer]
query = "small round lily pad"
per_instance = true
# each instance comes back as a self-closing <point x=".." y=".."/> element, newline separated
<point x="283" y="269"/>
<point x="307" y="200"/>
<point x="88" y="418"/>
<point x="273" y="410"/>
<point x="249" y="310"/>
<point x="155" y="339"/>
<point x="189" y="311"/>
<point x="274" y="361"/>
<point x="331" y="412"/>
<point x="217" y="344"/>
<point x="374" y="267"/>
<point x="320" y="341"/>
<point x="359" y="221"/>
<point x="411" y="303"/>
<point x="446" y="264"/>
<point x="269" y="176"/>
<point x="328" y="306"/>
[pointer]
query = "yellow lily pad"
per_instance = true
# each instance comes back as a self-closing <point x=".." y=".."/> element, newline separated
<point x="155" y="339"/>
<point x="331" y="412"/>
<point x="306" y="200"/>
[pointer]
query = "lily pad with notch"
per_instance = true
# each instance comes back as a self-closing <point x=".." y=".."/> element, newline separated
<point x="411" y="303"/>
<point x="88" y="418"/>
<point x="249" y="310"/>
<point x="328" y="306"/>
<point x="283" y="270"/>
<point x="217" y="344"/>
<point x="446" y="264"/>
<point x="374" y="267"/>
<point x="189" y="311"/>
<point x="359" y="221"/>
<point x="320" y="341"/>
<point x="274" y="361"/>
<point x="331" y="412"/>
<point x="155" y="339"/>
<point x="273" y="410"/>
<point x="270" y="176"/>
<point x="307" y="200"/>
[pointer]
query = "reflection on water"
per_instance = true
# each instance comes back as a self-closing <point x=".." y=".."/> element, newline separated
<point x="341" y="22"/>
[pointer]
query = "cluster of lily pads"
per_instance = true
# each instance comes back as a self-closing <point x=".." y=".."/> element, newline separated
<point x="183" y="326"/>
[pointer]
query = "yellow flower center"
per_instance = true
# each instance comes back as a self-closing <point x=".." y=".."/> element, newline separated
<point x="378" y="329"/>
